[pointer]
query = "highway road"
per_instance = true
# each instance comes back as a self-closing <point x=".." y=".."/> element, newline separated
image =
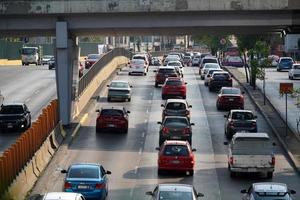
<point x="132" y="157"/>
<point x="33" y="85"/>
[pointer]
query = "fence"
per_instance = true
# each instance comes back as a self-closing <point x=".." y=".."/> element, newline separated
<point x="93" y="71"/>
<point x="17" y="155"/>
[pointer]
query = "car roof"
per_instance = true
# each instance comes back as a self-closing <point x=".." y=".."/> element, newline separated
<point x="286" y="58"/>
<point x="175" y="187"/>
<point x="119" y="81"/>
<point x="251" y="135"/>
<point x="173" y="79"/>
<point x="238" y="110"/>
<point x="220" y="72"/>
<point x="93" y="54"/>
<point x="166" y="67"/>
<point x="174" y="61"/>
<point x="169" y="117"/>
<point x="209" y="57"/>
<point x="230" y="88"/>
<point x="175" y="142"/>
<point x="270" y="187"/>
<point x="176" y="100"/>
<point x="60" y="196"/>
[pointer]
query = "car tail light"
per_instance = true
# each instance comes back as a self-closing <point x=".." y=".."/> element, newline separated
<point x="100" y="186"/>
<point x="165" y="130"/>
<point x="273" y="160"/>
<point x="67" y="185"/>
<point x="231" y="123"/>
<point x="187" y="112"/>
<point x="186" y="131"/>
<point x="241" y="99"/>
<point x="253" y="124"/>
<point x="231" y="160"/>
<point x="221" y="99"/>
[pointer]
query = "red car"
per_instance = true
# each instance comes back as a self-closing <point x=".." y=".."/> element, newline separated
<point x="230" y="98"/>
<point x="163" y="73"/>
<point x="175" y="155"/>
<point x="173" y="87"/>
<point x="91" y="60"/>
<point x="113" y="118"/>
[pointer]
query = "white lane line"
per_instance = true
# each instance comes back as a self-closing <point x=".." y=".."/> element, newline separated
<point x="149" y="101"/>
<point x="147" y="110"/>
<point x="146" y="120"/>
<point x="143" y="134"/>
<point x="136" y="169"/>
<point x="37" y="91"/>
<point x="140" y="151"/>
<point x="27" y="100"/>
<point x="131" y="193"/>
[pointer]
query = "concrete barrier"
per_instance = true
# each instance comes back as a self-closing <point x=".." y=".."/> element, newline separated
<point x="103" y="75"/>
<point x="6" y="62"/>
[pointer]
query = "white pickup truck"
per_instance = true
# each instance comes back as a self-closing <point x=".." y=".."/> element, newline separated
<point x="251" y="152"/>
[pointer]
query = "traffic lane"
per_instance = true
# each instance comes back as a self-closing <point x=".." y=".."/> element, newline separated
<point x="230" y="188"/>
<point x="117" y="152"/>
<point x="32" y="85"/>
<point x="205" y="177"/>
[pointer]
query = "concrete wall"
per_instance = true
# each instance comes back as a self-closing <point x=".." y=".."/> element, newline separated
<point x="103" y="6"/>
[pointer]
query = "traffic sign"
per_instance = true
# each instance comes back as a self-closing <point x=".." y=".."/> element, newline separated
<point x="286" y="88"/>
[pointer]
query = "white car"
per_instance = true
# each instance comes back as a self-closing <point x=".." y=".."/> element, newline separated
<point x="176" y="64"/>
<point x="208" y="75"/>
<point x="294" y="72"/>
<point x="58" y="196"/>
<point x="138" y="66"/>
<point x="196" y="61"/>
<point x="208" y="66"/>
<point x="141" y="56"/>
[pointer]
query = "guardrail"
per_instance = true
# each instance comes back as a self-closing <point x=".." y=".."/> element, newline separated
<point x="95" y="69"/>
<point x="21" y="152"/>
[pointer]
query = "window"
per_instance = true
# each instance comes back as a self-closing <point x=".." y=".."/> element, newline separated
<point x="296" y="66"/>
<point x="12" y="109"/>
<point x="166" y="71"/>
<point x="176" y="150"/>
<point x="119" y="84"/>
<point x="176" y="106"/>
<point x="221" y="76"/>
<point x="111" y="112"/>
<point x="94" y="56"/>
<point x="242" y="116"/>
<point x="174" y="82"/>
<point x="84" y="172"/>
<point x="175" y="195"/>
<point x="210" y="61"/>
<point x="176" y="122"/>
<point x="230" y="91"/>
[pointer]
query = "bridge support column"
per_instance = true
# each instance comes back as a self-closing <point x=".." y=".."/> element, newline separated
<point x="66" y="54"/>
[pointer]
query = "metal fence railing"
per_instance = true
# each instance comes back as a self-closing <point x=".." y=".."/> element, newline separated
<point x="95" y="69"/>
<point x="18" y="154"/>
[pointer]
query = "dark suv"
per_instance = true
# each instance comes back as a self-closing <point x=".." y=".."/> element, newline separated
<point x="112" y="118"/>
<point x="219" y="80"/>
<point x="163" y="73"/>
<point x="14" y="117"/>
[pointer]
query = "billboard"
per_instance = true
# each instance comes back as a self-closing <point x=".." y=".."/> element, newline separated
<point x="291" y="42"/>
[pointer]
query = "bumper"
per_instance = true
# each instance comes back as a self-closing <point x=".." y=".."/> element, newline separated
<point x="96" y="194"/>
<point x="232" y="105"/>
<point x="121" y="97"/>
<point x="13" y="126"/>
<point x="252" y="169"/>
<point x="138" y="71"/>
<point x="175" y="168"/>
<point x="238" y="129"/>
<point x="173" y="137"/>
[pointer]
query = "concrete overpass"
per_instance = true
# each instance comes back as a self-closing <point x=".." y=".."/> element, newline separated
<point x="67" y="19"/>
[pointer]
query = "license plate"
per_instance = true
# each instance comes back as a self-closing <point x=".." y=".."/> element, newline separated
<point x="231" y="99"/>
<point x="175" y="137"/>
<point x="252" y="170"/>
<point x="9" y="125"/>
<point x="83" y="187"/>
<point x="175" y="161"/>
<point x="111" y="125"/>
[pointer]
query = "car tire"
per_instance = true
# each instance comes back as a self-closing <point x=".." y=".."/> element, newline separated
<point x="129" y="99"/>
<point x="278" y="70"/>
<point x="160" y="171"/>
<point x="210" y="89"/>
<point x="125" y="130"/>
<point x="98" y="130"/>
<point x="160" y="141"/>
<point x="292" y="77"/>
<point x="23" y="64"/>
<point x="129" y="73"/>
<point x="163" y="97"/>
<point x="205" y="84"/>
<point x="202" y="78"/>
<point x="108" y="99"/>
<point x="269" y="175"/>
<point x="156" y="85"/>
<point x="184" y="97"/>
<point x="145" y="74"/>
<point x="191" y="172"/>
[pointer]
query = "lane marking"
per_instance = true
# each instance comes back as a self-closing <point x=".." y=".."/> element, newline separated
<point x="27" y="100"/>
<point x="136" y="169"/>
<point x="140" y="151"/>
<point x="37" y="91"/>
<point x="85" y="116"/>
<point x="143" y="134"/>
<point x="146" y="120"/>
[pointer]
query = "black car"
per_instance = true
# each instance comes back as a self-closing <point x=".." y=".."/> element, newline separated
<point x="176" y="107"/>
<point x="239" y="120"/>
<point x="51" y="63"/>
<point x="219" y="80"/>
<point x="14" y="117"/>
<point x="175" y="128"/>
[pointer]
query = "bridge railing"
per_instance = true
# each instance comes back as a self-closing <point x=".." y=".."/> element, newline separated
<point x="21" y="152"/>
<point x="95" y="69"/>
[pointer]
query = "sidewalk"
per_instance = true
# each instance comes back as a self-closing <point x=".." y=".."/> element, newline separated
<point x="274" y="112"/>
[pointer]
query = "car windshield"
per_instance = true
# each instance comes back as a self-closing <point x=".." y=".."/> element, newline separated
<point x="93" y="56"/>
<point x="166" y="71"/>
<point x="139" y="57"/>
<point x="187" y="57"/>
<point x="235" y="59"/>
<point x="176" y="106"/>
<point x="242" y="116"/>
<point x="211" y="66"/>
<point x="119" y="84"/>
<point x="138" y="62"/>
<point x="175" y="58"/>
<point x="296" y="66"/>
<point x="11" y="109"/>
<point x="286" y="60"/>
<point x="174" y="64"/>
<point x="111" y="112"/>
<point x="209" y="61"/>
<point x="84" y="172"/>
<point x="47" y="57"/>
<point x="271" y="196"/>
<point x="176" y="150"/>
<point x="176" y="122"/>
<point x="29" y="51"/>
<point x="174" y="82"/>
<point x="231" y="91"/>
<point x="175" y="195"/>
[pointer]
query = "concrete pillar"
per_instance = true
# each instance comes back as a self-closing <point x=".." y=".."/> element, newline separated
<point x="66" y="63"/>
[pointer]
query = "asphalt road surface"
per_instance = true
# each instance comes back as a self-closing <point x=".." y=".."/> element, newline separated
<point x="132" y="157"/>
<point x="33" y="85"/>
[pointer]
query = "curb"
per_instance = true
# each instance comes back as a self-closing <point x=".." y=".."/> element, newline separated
<point x="290" y="155"/>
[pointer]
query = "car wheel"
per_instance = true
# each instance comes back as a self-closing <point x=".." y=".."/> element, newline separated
<point x="270" y="175"/>
<point x="202" y="78"/>
<point x="205" y="84"/>
<point x="108" y="99"/>
<point x="156" y="84"/>
<point x="129" y="99"/>
<point x="191" y="172"/>
<point x="184" y="97"/>
<point x="159" y="171"/>
<point x="23" y="64"/>
<point x="210" y="89"/>
<point x="145" y="74"/>
<point x="163" y="97"/>
<point x="278" y="70"/>
<point x="292" y="77"/>
<point x="129" y="73"/>
<point x="160" y="141"/>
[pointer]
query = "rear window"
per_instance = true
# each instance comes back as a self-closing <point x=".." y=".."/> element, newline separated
<point x="166" y="71"/>
<point x="174" y="64"/>
<point x="221" y="76"/>
<point x="174" y="82"/>
<point x="212" y="71"/>
<point x="176" y="106"/>
<point x="176" y="122"/>
<point x="93" y="56"/>
<point x="235" y="59"/>
<point x="231" y="91"/>
<point x="112" y="112"/>
<point x="271" y="196"/>
<point x="138" y="62"/>
<point x="119" y="84"/>
<point x="175" y="195"/>
<point x="176" y="150"/>
<point x="84" y="172"/>
<point x="207" y="60"/>
<point x="139" y="57"/>
<point x="12" y="109"/>
<point x="286" y="60"/>
<point x="296" y="66"/>
<point x="242" y="115"/>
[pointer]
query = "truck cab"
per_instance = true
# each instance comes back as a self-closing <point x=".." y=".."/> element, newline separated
<point x="31" y="55"/>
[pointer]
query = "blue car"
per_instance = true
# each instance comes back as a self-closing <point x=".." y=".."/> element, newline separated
<point x="88" y="179"/>
<point x="285" y="63"/>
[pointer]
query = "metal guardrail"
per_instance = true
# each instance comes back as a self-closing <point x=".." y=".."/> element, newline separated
<point x="21" y="152"/>
<point x="85" y="80"/>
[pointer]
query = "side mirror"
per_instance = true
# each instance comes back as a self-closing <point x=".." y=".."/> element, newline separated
<point x="157" y="148"/>
<point x="225" y="143"/>
<point x="274" y="144"/>
<point x="162" y="105"/>
<point x="97" y="110"/>
<point x="131" y="86"/>
<point x="185" y="83"/>
<point x="243" y="191"/>
<point x="193" y="150"/>
<point x="149" y="193"/>
<point x="255" y="117"/>
<point x="225" y="116"/>
<point x="107" y="85"/>
<point x="154" y="70"/>
<point x="63" y="171"/>
<point x="243" y="92"/>
<point x="158" y="122"/>
<point x="108" y="172"/>
<point x="128" y="111"/>
<point x="200" y="195"/>
<point x="192" y="124"/>
<point x="292" y="191"/>
<point x="190" y="106"/>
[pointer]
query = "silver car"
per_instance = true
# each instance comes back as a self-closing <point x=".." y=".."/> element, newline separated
<point x="119" y="90"/>
<point x="294" y="72"/>
<point x="174" y="192"/>
<point x="57" y="196"/>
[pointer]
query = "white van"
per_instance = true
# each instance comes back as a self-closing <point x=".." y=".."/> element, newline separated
<point x="251" y="152"/>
